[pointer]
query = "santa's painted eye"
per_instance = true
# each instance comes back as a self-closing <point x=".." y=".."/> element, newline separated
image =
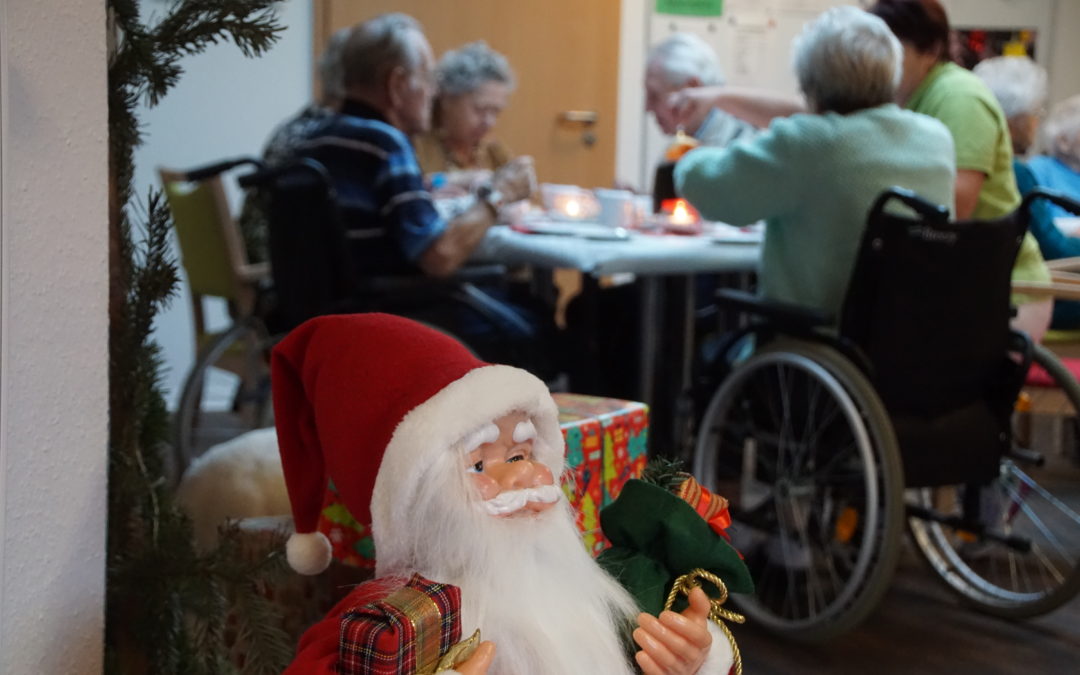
<point x="477" y="468"/>
<point x="515" y="458"/>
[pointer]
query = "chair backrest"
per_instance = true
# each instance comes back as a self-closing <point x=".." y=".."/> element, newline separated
<point x="211" y="248"/>
<point x="928" y="302"/>
<point x="928" y="305"/>
<point x="308" y="250"/>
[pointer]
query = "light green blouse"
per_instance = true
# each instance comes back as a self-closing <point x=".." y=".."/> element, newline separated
<point x="981" y="135"/>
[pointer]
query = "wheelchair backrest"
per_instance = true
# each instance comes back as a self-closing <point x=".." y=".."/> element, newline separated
<point x="308" y="253"/>
<point x="928" y="303"/>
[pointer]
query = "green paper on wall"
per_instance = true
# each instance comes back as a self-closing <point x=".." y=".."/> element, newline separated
<point x="690" y="7"/>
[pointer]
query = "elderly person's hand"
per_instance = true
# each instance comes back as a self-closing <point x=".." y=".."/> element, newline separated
<point x="516" y="179"/>
<point x="693" y="103"/>
<point x="675" y="644"/>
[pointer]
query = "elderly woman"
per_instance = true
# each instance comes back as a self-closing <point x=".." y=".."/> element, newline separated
<point x="814" y="176"/>
<point x="1019" y="84"/>
<point x="1059" y="168"/>
<point x="985" y="185"/>
<point x="474" y="85"/>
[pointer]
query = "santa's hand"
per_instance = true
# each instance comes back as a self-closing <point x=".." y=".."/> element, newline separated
<point x="675" y="644"/>
<point x="479" y="662"/>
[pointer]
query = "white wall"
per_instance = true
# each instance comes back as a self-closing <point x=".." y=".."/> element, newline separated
<point x="53" y="336"/>
<point x="225" y="105"/>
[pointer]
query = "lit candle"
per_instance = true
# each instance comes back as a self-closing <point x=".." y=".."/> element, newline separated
<point x="681" y="214"/>
<point x="572" y="208"/>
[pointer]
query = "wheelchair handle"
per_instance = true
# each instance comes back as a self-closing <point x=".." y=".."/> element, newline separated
<point x="265" y="174"/>
<point x="1052" y="196"/>
<point x="211" y="170"/>
<point x="926" y="209"/>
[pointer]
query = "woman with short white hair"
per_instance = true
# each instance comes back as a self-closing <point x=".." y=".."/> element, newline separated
<point x="1019" y="85"/>
<point x="474" y="87"/>
<point x="814" y="176"/>
<point x="1058" y="169"/>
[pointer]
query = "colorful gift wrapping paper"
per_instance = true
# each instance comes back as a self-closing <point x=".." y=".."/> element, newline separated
<point x="606" y="442"/>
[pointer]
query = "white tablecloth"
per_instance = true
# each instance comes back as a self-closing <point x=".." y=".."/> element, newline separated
<point x="645" y="254"/>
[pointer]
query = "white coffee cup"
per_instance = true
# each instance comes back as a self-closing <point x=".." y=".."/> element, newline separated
<point x="616" y="207"/>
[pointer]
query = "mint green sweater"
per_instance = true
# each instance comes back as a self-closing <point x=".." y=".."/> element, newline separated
<point x="813" y="178"/>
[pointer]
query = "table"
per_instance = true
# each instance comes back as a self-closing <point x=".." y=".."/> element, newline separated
<point x="644" y="254"/>
<point x="650" y="256"/>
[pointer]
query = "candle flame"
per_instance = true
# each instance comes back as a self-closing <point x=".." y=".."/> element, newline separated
<point x="680" y="213"/>
<point x="573" y="208"/>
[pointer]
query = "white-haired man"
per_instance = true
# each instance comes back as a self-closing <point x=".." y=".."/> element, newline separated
<point x="454" y="463"/>
<point x="388" y="83"/>
<point x="685" y="61"/>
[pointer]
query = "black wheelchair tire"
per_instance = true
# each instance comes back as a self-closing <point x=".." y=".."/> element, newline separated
<point x="879" y="545"/>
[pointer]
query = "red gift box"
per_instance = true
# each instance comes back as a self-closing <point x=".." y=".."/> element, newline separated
<point x="405" y="632"/>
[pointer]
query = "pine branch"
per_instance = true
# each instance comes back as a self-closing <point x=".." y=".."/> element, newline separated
<point x="166" y="602"/>
<point x="665" y="472"/>
<point x="194" y="25"/>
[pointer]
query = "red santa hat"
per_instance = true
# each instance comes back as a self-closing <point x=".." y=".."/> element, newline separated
<point x="364" y="399"/>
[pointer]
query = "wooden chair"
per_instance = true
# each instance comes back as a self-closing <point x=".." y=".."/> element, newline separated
<point x="216" y="263"/>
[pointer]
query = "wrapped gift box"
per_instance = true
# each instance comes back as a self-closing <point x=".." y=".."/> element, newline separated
<point x="606" y="440"/>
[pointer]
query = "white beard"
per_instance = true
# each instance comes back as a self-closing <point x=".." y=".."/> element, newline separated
<point x="526" y="582"/>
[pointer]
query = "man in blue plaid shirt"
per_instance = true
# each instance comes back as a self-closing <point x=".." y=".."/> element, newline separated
<point x="388" y="212"/>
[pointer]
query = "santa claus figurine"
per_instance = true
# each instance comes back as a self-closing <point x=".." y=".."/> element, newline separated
<point x="455" y="463"/>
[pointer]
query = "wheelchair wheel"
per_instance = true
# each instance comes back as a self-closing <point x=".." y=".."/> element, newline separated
<point x="1032" y="565"/>
<point x="799" y="443"/>
<point x="245" y="383"/>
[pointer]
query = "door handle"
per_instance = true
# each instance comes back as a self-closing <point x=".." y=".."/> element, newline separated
<point x="583" y="117"/>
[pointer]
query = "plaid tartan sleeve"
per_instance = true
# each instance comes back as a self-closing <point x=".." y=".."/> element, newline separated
<point x="405" y="632"/>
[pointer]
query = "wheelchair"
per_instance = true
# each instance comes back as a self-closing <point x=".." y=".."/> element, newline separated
<point x="217" y="264"/>
<point x="835" y="436"/>
<point x="315" y="273"/>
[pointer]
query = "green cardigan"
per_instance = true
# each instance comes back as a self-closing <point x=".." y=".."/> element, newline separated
<point x="813" y="178"/>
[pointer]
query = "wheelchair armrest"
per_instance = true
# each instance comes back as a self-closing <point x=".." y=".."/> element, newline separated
<point x="475" y="273"/>
<point x="387" y="285"/>
<point x="785" y="315"/>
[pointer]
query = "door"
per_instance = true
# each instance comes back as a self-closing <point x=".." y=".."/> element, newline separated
<point x="565" y="54"/>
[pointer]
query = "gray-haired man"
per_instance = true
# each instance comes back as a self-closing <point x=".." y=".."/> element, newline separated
<point x="684" y="61"/>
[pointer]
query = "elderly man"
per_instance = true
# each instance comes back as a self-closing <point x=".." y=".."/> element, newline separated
<point x="389" y="85"/>
<point x="454" y="463"/>
<point x="391" y="225"/>
<point x="685" y="61"/>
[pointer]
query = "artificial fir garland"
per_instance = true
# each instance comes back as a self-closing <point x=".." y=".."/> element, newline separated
<point x="167" y="603"/>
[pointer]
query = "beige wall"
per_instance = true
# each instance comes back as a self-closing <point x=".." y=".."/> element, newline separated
<point x="53" y="336"/>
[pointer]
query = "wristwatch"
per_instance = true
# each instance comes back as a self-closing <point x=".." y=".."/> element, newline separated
<point x="490" y="196"/>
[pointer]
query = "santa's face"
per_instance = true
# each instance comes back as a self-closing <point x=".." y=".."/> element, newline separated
<point x="501" y="466"/>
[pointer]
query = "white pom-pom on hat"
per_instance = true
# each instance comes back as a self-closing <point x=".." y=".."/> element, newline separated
<point x="308" y="553"/>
